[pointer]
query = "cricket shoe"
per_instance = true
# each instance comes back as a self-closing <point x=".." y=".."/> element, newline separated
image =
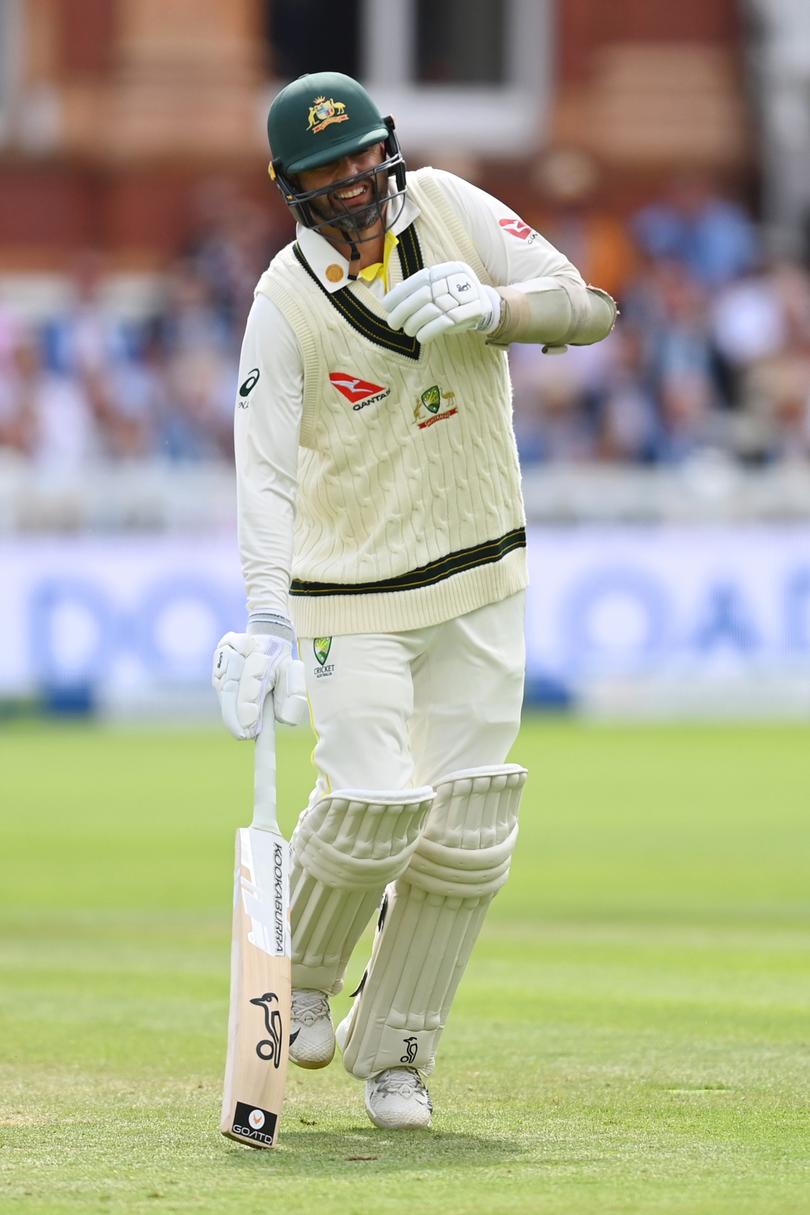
<point x="397" y="1100"/>
<point x="312" y="1038"/>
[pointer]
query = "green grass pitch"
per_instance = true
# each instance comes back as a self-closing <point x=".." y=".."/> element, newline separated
<point x="633" y="1034"/>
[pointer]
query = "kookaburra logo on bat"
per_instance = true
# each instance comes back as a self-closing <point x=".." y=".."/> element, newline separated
<point x="269" y="1048"/>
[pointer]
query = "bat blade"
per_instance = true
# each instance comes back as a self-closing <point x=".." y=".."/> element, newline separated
<point x="259" y="1017"/>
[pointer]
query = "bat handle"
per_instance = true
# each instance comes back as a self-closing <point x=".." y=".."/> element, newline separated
<point x="264" y="777"/>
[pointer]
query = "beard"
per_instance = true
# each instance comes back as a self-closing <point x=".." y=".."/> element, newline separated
<point x="354" y="220"/>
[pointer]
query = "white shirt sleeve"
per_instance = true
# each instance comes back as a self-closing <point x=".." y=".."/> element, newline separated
<point x="267" y="425"/>
<point x="512" y="252"/>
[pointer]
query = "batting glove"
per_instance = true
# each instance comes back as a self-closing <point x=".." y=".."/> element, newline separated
<point x="247" y="668"/>
<point x="442" y="299"/>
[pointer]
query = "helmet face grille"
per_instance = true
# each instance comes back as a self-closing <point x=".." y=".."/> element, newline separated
<point x="305" y="204"/>
<point x="343" y="218"/>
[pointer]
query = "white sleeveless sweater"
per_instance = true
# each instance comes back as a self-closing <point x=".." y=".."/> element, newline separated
<point x="409" y="509"/>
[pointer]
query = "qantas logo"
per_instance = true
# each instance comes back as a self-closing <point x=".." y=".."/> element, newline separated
<point x="359" y="392"/>
<point x="516" y="227"/>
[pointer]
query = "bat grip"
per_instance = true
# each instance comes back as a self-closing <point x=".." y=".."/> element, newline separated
<point x="264" y="777"/>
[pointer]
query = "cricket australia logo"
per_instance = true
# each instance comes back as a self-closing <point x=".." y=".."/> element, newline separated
<point x="269" y="1048"/>
<point x="430" y="402"/>
<point x="323" y="112"/>
<point x="411" y="1047"/>
<point x="320" y="648"/>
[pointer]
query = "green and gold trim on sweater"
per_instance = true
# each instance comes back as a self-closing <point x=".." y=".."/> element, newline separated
<point x="358" y="315"/>
<point x="425" y="575"/>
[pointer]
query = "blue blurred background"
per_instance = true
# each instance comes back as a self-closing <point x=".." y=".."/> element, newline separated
<point x="665" y="148"/>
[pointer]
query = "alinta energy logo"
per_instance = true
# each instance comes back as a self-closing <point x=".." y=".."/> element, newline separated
<point x="516" y="227"/>
<point x="359" y="393"/>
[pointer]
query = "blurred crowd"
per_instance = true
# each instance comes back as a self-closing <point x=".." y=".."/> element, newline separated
<point x="712" y="347"/>
<point x="712" y="350"/>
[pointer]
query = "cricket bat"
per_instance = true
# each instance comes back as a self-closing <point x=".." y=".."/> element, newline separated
<point x="259" y="1017"/>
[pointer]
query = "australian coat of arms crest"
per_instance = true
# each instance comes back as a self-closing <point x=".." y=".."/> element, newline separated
<point x="324" y="111"/>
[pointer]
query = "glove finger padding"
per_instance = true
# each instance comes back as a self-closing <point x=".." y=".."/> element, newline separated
<point x="427" y="289"/>
<point x="428" y="314"/>
<point x="439" y="298"/>
<point x="409" y="303"/>
<point x="229" y="663"/>
<point x="253" y="687"/>
<point x="246" y="668"/>
<point x="290" y="702"/>
<point x="431" y="329"/>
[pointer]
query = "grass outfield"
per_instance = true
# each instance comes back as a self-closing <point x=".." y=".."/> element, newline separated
<point x="632" y="1035"/>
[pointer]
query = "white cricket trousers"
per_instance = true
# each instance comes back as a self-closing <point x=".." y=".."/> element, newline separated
<point x="398" y="710"/>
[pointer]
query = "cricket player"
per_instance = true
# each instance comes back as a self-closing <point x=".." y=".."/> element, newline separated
<point x="382" y="535"/>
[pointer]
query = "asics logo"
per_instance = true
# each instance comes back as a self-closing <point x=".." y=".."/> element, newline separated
<point x="250" y="383"/>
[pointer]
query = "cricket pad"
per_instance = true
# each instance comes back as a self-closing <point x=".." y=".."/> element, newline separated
<point x="430" y="921"/>
<point x="345" y="850"/>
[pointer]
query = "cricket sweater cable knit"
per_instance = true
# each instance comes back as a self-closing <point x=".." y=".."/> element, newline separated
<point x="409" y="509"/>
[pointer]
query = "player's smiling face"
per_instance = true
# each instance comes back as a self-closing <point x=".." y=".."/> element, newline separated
<point x="349" y="201"/>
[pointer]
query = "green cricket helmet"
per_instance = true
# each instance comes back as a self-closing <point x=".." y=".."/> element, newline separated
<point x="322" y="117"/>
